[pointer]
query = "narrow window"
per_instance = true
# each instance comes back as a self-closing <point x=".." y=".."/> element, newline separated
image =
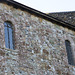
<point x="8" y="35"/>
<point x="69" y="52"/>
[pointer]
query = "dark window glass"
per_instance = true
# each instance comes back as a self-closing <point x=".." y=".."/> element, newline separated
<point x="69" y="52"/>
<point x="8" y="35"/>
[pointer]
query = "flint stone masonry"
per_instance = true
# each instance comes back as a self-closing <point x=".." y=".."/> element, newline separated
<point x="39" y="45"/>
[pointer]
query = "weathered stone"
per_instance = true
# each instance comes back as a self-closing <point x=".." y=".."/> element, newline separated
<point x="39" y="45"/>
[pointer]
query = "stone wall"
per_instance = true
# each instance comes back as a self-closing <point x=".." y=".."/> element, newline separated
<point x="9" y="62"/>
<point x="39" y="45"/>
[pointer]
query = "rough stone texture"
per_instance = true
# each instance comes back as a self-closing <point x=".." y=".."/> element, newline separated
<point x="39" y="45"/>
<point x="9" y="62"/>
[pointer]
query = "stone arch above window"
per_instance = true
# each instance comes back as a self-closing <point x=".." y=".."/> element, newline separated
<point x="8" y="29"/>
<point x="69" y="52"/>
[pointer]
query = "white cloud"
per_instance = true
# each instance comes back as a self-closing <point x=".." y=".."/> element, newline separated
<point x="50" y="5"/>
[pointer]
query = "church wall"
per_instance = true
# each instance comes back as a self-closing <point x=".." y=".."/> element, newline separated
<point x="39" y="45"/>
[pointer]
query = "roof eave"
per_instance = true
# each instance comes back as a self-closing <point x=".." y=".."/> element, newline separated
<point x="37" y="13"/>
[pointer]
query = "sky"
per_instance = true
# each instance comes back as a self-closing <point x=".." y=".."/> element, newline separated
<point x="49" y="6"/>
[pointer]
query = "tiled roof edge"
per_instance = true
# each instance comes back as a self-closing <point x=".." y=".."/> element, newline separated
<point x="37" y="13"/>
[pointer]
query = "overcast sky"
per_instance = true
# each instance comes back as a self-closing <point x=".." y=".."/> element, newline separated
<point x="48" y="6"/>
